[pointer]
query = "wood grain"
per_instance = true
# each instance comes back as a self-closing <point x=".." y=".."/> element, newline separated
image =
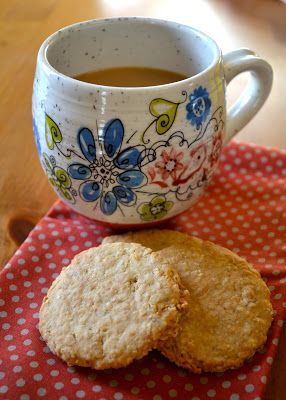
<point x="25" y="193"/>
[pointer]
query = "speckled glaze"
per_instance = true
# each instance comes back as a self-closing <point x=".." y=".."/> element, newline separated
<point x="135" y="156"/>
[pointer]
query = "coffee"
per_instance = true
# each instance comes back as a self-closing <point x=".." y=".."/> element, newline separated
<point x="130" y="76"/>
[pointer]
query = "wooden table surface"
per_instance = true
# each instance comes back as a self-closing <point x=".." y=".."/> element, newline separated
<point x="24" y="24"/>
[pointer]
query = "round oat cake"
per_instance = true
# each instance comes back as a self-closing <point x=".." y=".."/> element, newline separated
<point x="230" y="310"/>
<point x="111" y="305"/>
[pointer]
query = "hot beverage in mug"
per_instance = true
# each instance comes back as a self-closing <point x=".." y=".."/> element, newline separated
<point x="130" y="77"/>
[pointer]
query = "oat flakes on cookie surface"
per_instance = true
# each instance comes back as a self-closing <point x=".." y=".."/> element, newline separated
<point x="111" y="305"/>
<point x="229" y="314"/>
<point x="230" y="310"/>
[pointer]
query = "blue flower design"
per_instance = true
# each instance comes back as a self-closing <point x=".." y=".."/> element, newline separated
<point x="37" y="136"/>
<point x="199" y="106"/>
<point x="111" y="174"/>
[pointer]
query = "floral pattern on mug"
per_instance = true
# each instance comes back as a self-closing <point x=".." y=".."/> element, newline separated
<point x="169" y="165"/>
<point x="156" y="209"/>
<point x="199" y="106"/>
<point x="216" y="149"/>
<point x="178" y="168"/>
<point x="109" y="168"/>
<point x="165" y="112"/>
<point x="197" y="158"/>
<point x="58" y="178"/>
<point x="109" y="174"/>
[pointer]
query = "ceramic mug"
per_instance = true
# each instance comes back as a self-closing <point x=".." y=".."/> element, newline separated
<point x="134" y="156"/>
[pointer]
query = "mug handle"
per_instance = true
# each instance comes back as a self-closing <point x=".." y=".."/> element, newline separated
<point x="256" y="92"/>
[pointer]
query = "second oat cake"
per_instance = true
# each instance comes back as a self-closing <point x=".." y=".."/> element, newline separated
<point x="230" y="310"/>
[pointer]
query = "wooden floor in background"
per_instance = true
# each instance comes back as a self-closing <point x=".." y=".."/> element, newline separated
<point x="25" y="192"/>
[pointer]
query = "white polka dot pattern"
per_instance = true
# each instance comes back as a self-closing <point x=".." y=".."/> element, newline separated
<point x="243" y="210"/>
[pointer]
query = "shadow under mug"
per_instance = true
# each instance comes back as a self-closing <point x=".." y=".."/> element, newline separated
<point x="133" y="156"/>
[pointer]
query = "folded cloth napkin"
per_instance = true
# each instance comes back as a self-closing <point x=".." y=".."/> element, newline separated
<point x="243" y="210"/>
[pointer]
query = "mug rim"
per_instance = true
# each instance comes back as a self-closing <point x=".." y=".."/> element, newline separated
<point x="42" y="54"/>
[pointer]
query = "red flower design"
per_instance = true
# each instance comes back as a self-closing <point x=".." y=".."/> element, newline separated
<point x="170" y="164"/>
<point x="198" y="156"/>
<point x="216" y="149"/>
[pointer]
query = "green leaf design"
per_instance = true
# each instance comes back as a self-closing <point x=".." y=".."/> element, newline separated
<point x="54" y="182"/>
<point x="66" y="194"/>
<point x="165" y="111"/>
<point x="63" y="177"/>
<point x="59" y="179"/>
<point x="52" y="132"/>
<point x="46" y="162"/>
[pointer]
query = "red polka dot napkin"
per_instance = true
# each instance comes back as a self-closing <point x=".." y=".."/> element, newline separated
<point x="244" y="209"/>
